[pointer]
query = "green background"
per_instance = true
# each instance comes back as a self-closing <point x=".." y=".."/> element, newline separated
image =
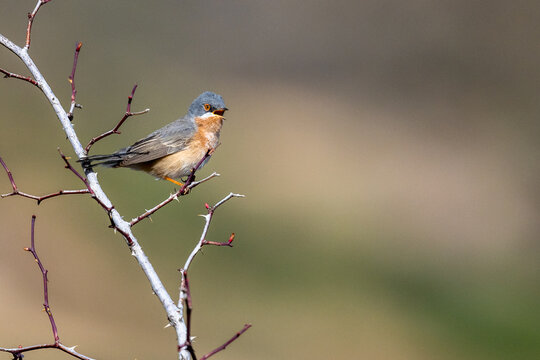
<point x="388" y="151"/>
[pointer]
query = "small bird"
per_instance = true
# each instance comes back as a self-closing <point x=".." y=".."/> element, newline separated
<point x="174" y="150"/>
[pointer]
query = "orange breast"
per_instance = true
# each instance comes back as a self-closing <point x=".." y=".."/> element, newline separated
<point x="180" y="163"/>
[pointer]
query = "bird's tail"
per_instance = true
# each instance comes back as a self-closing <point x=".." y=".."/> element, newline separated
<point x="111" y="160"/>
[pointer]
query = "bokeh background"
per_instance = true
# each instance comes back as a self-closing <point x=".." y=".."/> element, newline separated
<point x="388" y="151"/>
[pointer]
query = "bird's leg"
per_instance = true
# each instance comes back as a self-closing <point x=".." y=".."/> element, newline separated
<point x="192" y="177"/>
<point x="173" y="181"/>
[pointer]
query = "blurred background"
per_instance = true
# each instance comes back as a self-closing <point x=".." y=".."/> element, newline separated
<point x="388" y="151"/>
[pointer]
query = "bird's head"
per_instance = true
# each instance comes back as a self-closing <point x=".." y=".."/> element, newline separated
<point x="208" y="103"/>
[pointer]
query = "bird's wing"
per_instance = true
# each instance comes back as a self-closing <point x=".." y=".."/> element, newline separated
<point x="165" y="141"/>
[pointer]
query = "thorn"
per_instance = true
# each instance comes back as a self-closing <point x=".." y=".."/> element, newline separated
<point x="132" y="252"/>
<point x="168" y="325"/>
<point x="73" y="347"/>
<point x="26" y="249"/>
<point x="231" y="238"/>
<point x="206" y="206"/>
<point x="192" y="338"/>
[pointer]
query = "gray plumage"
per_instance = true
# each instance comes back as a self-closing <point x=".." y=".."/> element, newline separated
<point x="168" y="140"/>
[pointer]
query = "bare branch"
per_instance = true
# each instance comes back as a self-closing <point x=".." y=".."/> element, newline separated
<point x="71" y="80"/>
<point x="17" y="352"/>
<point x="70" y="168"/>
<point x="10" y="176"/>
<point x="46" y="307"/>
<point x="114" y="130"/>
<point x="208" y="217"/>
<point x="39" y="199"/>
<point x="31" y="17"/>
<point x="227" y="243"/>
<point x="188" y="345"/>
<point x="227" y="343"/>
<point x="8" y="74"/>
<point x="184" y="299"/>
<point x="88" y="186"/>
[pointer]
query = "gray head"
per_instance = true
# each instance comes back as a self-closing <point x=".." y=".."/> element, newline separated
<point x="207" y="102"/>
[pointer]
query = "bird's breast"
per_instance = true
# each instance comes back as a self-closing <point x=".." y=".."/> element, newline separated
<point x="180" y="163"/>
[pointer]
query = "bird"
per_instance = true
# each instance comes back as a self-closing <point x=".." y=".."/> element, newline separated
<point x="173" y="151"/>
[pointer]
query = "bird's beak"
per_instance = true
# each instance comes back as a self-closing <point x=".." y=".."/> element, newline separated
<point x="220" y="112"/>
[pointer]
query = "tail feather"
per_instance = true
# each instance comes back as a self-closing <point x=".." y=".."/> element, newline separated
<point x="111" y="160"/>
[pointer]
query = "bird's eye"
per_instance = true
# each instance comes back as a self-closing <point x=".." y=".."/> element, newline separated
<point x="207" y="107"/>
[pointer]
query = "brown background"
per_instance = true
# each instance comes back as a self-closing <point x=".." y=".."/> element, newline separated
<point x="388" y="151"/>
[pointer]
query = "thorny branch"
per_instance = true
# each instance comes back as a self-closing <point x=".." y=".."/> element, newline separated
<point x="8" y="74"/>
<point x="227" y="343"/>
<point x="46" y="307"/>
<point x="114" y="130"/>
<point x="184" y="300"/>
<point x="174" y="313"/>
<point x="188" y="346"/>
<point x="39" y="199"/>
<point x="18" y="352"/>
<point x="31" y="17"/>
<point x="208" y="218"/>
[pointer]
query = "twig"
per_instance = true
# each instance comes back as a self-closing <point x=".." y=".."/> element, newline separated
<point x="10" y="176"/>
<point x="39" y="199"/>
<point x="46" y="307"/>
<point x="8" y="74"/>
<point x="208" y="217"/>
<point x="31" y="17"/>
<point x="85" y="181"/>
<point x="70" y="168"/>
<point x="114" y="130"/>
<point x="188" y="345"/>
<point x="188" y="185"/>
<point x="173" y="196"/>
<point x="227" y="343"/>
<point x="17" y="352"/>
<point x="71" y="80"/>
<point x="184" y="299"/>
<point x="216" y="243"/>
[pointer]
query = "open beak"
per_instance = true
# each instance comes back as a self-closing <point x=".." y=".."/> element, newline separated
<point x="220" y="112"/>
